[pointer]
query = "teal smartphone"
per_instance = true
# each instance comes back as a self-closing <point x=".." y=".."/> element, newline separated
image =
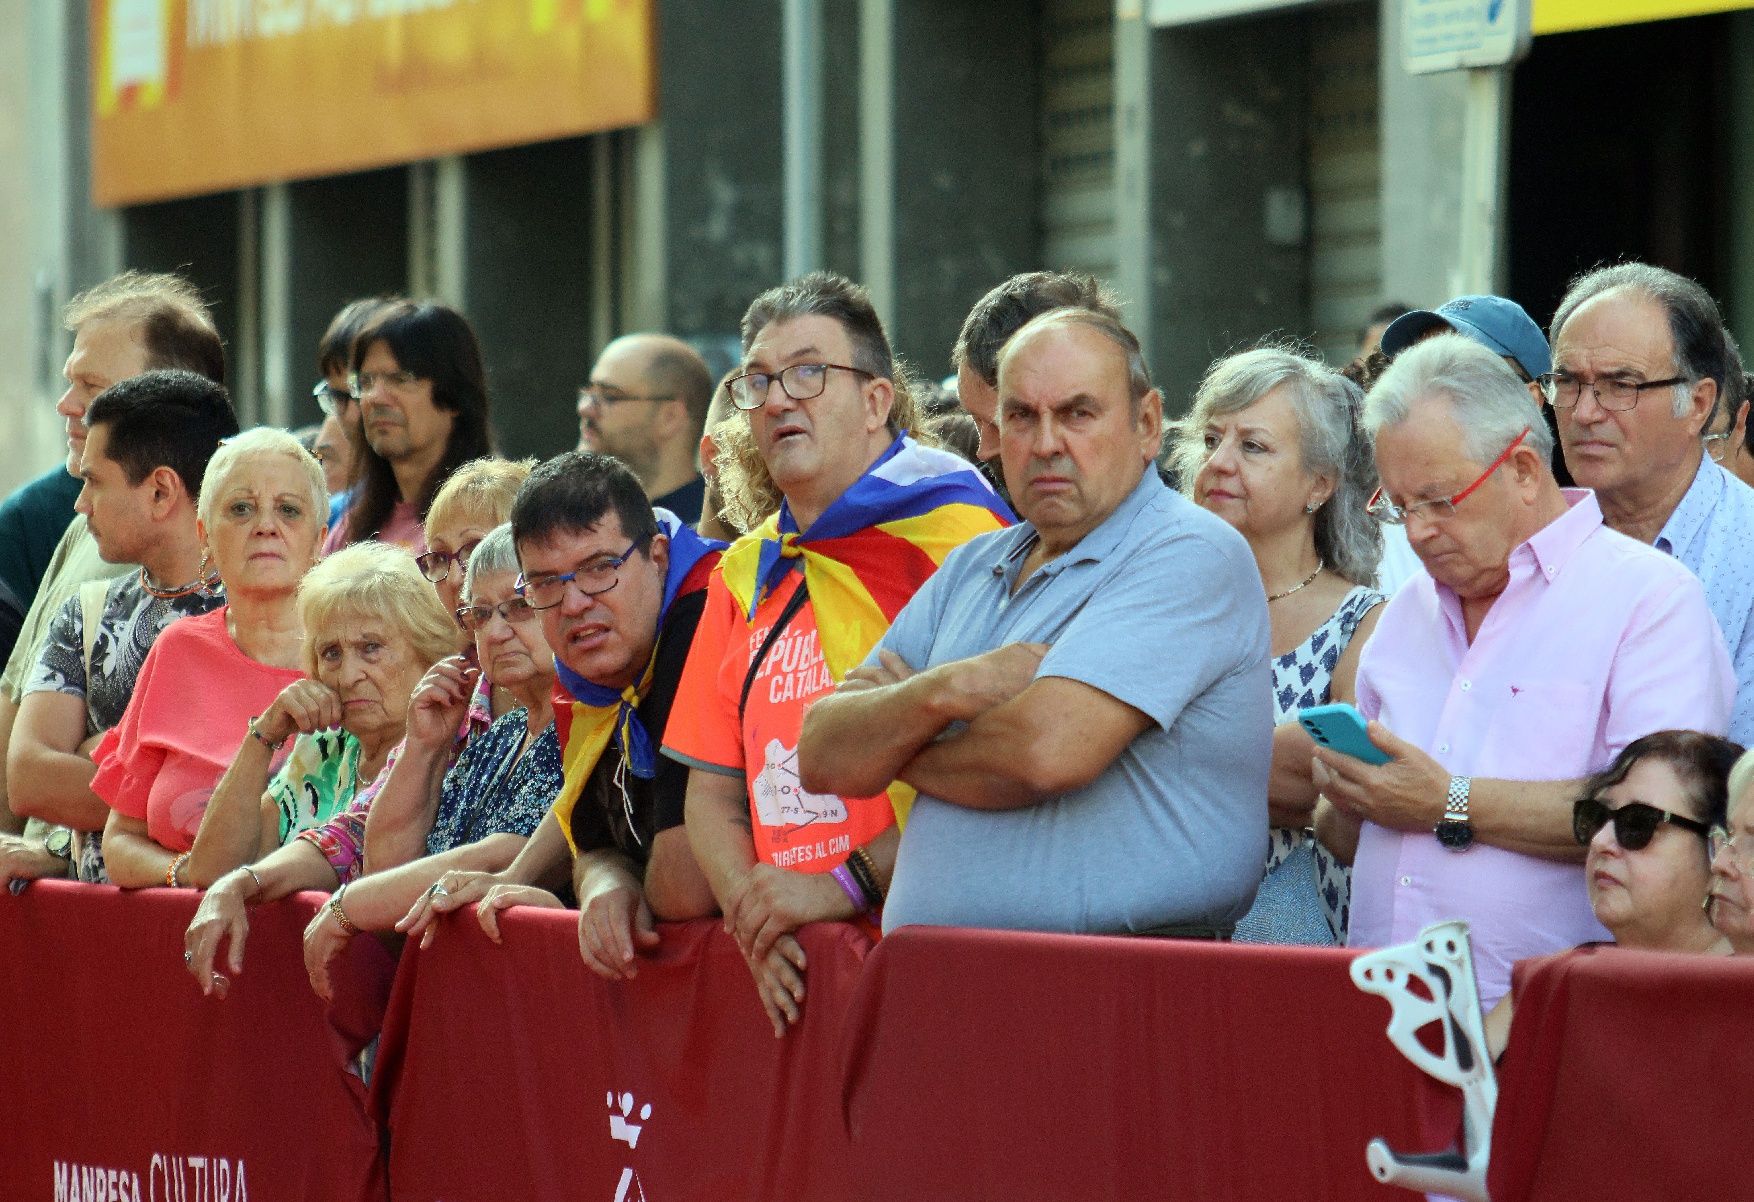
<point x="1340" y="727"/>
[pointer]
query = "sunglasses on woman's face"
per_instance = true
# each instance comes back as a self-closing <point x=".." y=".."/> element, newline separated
<point x="1635" y="823"/>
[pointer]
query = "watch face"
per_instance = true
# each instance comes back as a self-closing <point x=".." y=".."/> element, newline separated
<point x="1457" y="836"/>
<point x="60" y="842"/>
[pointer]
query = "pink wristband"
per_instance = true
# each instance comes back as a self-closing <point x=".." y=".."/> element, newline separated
<point x="856" y="895"/>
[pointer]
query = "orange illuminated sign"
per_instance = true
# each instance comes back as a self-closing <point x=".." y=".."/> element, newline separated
<point x="197" y="96"/>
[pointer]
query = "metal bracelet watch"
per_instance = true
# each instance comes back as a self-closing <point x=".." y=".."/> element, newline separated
<point x="1454" y="831"/>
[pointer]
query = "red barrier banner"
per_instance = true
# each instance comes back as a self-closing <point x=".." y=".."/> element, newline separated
<point x="513" y="1072"/>
<point x="122" y="1083"/>
<point x="1628" y="1075"/>
<point x="1014" y="1066"/>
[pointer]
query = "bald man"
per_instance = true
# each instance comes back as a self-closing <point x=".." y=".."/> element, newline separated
<point x="646" y="405"/>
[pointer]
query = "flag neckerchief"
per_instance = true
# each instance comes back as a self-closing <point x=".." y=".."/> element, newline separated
<point x="870" y="551"/>
<point x="589" y="717"/>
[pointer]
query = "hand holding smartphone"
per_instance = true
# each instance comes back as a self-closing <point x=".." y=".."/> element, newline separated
<point x="1340" y="727"/>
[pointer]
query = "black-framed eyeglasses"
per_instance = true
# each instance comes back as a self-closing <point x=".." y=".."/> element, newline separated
<point x="1385" y="510"/>
<point x="592" y="579"/>
<point x="515" y="611"/>
<point x="800" y="381"/>
<point x="362" y="382"/>
<point x="1635" y="823"/>
<point x="1564" y="390"/>
<point x="436" y="565"/>
<point x="608" y="396"/>
<point x="330" y="399"/>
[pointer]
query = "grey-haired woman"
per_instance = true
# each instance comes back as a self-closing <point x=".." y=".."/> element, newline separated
<point x="1272" y="446"/>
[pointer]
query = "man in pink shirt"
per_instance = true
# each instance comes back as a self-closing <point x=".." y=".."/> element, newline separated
<point x="1537" y="646"/>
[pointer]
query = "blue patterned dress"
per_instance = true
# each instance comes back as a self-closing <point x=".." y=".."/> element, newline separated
<point x="1304" y="894"/>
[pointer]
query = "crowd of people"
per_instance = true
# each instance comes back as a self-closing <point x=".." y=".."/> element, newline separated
<point x="820" y="642"/>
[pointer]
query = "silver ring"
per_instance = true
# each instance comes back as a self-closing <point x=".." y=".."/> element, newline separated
<point x="438" y="889"/>
<point x="188" y="958"/>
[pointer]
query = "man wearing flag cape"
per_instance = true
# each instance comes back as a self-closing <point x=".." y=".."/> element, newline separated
<point x="1083" y="700"/>
<point x="620" y="588"/>
<point x="866" y="514"/>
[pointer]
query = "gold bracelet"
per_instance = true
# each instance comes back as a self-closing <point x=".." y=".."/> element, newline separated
<point x="340" y="914"/>
<point x="252" y="871"/>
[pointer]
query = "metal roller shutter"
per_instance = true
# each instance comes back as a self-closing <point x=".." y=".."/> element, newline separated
<point x="1077" y="137"/>
<point x="1344" y="177"/>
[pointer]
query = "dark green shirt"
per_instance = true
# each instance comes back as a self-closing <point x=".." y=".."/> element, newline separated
<point x="32" y="521"/>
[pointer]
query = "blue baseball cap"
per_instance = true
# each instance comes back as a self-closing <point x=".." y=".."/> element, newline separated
<point x="1497" y="324"/>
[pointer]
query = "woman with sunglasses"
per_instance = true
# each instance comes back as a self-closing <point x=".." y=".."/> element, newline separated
<point x="1732" y="861"/>
<point x="1646" y="819"/>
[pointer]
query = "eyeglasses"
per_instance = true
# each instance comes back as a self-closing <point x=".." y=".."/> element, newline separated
<point x="800" y="381"/>
<point x="1720" y="840"/>
<point x="331" y="400"/>
<point x="1385" y="510"/>
<point x="473" y="617"/>
<point x="594" y="578"/>
<point x="591" y="394"/>
<point x="1564" y="390"/>
<point x="362" y="382"/>
<point x="1635" y="823"/>
<point x="436" y="565"/>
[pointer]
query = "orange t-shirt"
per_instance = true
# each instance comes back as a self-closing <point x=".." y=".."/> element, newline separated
<point x="803" y="832"/>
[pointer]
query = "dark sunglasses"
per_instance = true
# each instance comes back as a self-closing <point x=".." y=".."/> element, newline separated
<point x="1635" y="824"/>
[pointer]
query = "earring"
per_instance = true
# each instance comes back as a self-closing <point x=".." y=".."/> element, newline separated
<point x="1311" y="507"/>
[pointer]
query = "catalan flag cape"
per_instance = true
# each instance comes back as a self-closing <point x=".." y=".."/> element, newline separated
<point x="589" y="717"/>
<point x="870" y="551"/>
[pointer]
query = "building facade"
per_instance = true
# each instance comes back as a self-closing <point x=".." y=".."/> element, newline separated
<point x="1236" y="168"/>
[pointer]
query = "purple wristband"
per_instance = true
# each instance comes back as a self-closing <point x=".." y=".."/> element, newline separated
<point x="856" y="895"/>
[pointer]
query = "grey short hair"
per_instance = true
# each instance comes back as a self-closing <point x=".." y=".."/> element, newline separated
<point x="260" y="443"/>
<point x="1703" y="350"/>
<point x="1327" y="406"/>
<point x="498" y="552"/>
<point x="1490" y="404"/>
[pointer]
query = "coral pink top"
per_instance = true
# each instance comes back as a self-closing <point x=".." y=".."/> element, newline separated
<point x="190" y="711"/>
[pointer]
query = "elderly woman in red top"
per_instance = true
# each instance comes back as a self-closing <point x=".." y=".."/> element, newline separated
<point x="261" y="517"/>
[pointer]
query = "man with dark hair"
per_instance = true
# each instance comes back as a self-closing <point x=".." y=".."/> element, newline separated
<point x="1067" y="783"/>
<point x="1381" y="317"/>
<point x="646" y="404"/>
<point x="865" y="516"/>
<point x="1000" y="314"/>
<point x="620" y="592"/>
<point x="145" y="452"/>
<point x="421" y="385"/>
<point x="133" y="323"/>
<point x="1641" y="363"/>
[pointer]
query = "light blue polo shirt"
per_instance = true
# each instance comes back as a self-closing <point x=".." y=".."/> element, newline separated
<point x="1160" y="606"/>
<point x="1712" y="532"/>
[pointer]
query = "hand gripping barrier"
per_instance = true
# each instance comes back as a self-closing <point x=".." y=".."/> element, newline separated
<point x="1441" y="963"/>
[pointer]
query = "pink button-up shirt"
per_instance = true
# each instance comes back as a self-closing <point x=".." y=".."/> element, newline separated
<point x="1596" y="640"/>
